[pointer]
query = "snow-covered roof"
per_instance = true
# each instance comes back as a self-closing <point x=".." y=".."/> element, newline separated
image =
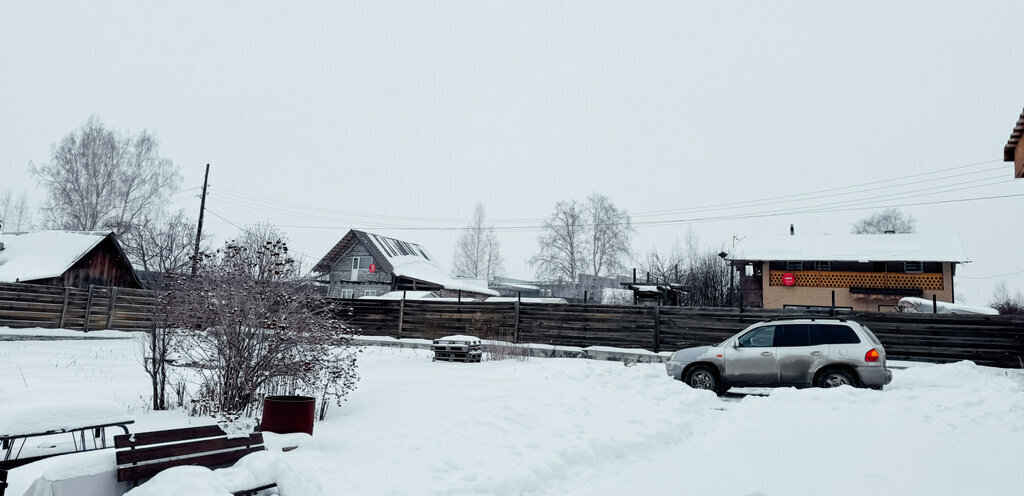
<point x="400" y="258"/>
<point x="43" y="254"/>
<point x="511" y="299"/>
<point x="422" y="269"/>
<point x="853" y="248"/>
<point x="912" y="304"/>
<point x="398" y="295"/>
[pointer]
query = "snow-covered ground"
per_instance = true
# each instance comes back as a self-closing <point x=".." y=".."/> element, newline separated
<point x="572" y="426"/>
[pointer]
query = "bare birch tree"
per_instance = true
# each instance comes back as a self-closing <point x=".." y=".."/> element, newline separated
<point x="14" y="212"/>
<point x="610" y="235"/>
<point x="478" y="252"/>
<point x="890" y="219"/>
<point x="97" y="179"/>
<point x="563" y="244"/>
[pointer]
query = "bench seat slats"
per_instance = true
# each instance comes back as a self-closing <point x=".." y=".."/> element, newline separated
<point x="134" y="472"/>
<point x="167" y="436"/>
<point x="186" y="448"/>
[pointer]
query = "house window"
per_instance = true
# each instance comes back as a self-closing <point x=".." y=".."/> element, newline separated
<point x="348" y="293"/>
<point x="913" y="267"/>
<point x="825" y="266"/>
<point x="361" y="262"/>
<point x="370" y="292"/>
<point x="794" y="266"/>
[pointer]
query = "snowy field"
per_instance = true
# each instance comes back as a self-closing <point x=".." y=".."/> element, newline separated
<point x="572" y="426"/>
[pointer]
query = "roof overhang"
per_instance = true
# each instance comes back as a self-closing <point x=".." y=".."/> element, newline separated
<point x="1012" y="151"/>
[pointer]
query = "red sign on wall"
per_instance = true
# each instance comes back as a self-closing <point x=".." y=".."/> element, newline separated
<point x="788" y="279"/>
<point x="373" y="268"/>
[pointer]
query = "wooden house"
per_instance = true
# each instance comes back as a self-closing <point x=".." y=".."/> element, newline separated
<point x="74" y="259"/>
<point x="1014" y="149"/>
<point x="368" y="264"/>
<point x="867" y="272"/>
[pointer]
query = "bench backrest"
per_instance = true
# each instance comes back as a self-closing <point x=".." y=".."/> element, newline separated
<point x="148" y="453"/>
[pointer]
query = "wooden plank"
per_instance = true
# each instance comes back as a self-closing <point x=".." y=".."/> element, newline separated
<point x="110" y="306"/>
<point x="165" y="436"/>
<point x="185" y="448"/>
<point x="88" y="310"/>
<point x="134" y="472"/>
<point x="64" y="309"/>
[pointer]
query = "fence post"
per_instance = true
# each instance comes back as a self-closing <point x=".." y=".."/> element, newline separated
<point x="657" y="329"/>
<point x="935" y="305"/>
<point x="401" y="315"/>
<point x="515" y="331"/>
<point x="113" y="302"/>
<point x="88" y="309"/>
<point x="64" y="308"/>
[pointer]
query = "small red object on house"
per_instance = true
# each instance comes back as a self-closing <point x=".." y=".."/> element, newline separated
<point x="788" y="279"/>
<point x="373" y="268"/>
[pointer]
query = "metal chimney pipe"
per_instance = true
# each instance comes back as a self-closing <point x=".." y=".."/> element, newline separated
<point x="791" y="230"/>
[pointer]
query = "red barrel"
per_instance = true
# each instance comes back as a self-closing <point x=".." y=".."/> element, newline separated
<point x="287" y="414"/>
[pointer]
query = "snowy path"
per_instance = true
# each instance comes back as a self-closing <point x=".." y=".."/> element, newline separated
<point x="568" y="426"/>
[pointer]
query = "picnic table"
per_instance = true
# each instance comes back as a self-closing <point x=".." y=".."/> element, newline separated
<point x="86" y="422"/>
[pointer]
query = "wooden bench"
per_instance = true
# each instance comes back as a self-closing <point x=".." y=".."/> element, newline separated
<point x="145" y="454"/>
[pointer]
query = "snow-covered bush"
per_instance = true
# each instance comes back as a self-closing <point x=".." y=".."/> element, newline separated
<point x="252" y="330"/>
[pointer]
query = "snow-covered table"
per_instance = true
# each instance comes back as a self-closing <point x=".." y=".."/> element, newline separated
<point x="20" y="422"/>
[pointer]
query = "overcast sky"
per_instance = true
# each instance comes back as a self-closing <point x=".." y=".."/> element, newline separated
<point x="397" y="117"/>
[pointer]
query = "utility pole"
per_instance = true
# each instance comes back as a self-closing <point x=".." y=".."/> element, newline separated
<point x="199" y="227"/>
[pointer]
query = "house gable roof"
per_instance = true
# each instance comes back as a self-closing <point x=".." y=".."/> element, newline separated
<point x="400" y="258"/>
<point x="44" y="254"/>
<point x="852" y="248"/>
<point x="384" y="250"/>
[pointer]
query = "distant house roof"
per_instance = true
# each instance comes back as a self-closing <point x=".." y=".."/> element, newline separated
<point x="853" y="248"/>
<point x="1009" y="151"/>
<point x="401" y="258"/>
<point x="44" y="254"/>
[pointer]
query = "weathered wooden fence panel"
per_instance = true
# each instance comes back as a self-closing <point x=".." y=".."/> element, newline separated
<point x="29" y="305"/>
<point x="987" y="340"/>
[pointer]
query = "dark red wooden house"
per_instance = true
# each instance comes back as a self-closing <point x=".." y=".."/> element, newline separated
<point x="65" y="258"/>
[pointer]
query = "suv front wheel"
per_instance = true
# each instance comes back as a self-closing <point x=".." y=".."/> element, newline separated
<point x="703" y="377"/>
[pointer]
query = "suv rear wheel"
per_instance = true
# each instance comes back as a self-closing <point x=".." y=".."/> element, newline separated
<point x="834" y="378"/>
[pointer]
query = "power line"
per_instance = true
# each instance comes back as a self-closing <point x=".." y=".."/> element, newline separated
<point x="243" y="197"/>
<point x="995" y="276"/>
<point x="694" y="220"/>
<point x="869" y="202"/>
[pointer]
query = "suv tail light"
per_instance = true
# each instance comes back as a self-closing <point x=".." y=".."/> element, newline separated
<point x="871" y="355"/>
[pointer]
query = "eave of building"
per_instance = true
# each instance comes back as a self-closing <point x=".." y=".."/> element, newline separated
<point x="1010" y="150"/>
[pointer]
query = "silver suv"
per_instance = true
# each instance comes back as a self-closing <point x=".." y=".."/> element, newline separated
<point x="822" y="352"/>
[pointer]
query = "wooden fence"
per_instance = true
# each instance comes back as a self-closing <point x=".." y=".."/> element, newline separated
<point x="986" y="340"/>
<point x="29" y="305"/>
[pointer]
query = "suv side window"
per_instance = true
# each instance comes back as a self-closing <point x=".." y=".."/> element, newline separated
<point x="792" y="335"/>
<point x="832" y="334"/>
<point x="762" y="337"/>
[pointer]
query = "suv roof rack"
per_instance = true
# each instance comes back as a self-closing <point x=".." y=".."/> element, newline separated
<point x="805" y="317"/>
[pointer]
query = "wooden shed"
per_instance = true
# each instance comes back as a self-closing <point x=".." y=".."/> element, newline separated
<point x="74" y="259"/>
